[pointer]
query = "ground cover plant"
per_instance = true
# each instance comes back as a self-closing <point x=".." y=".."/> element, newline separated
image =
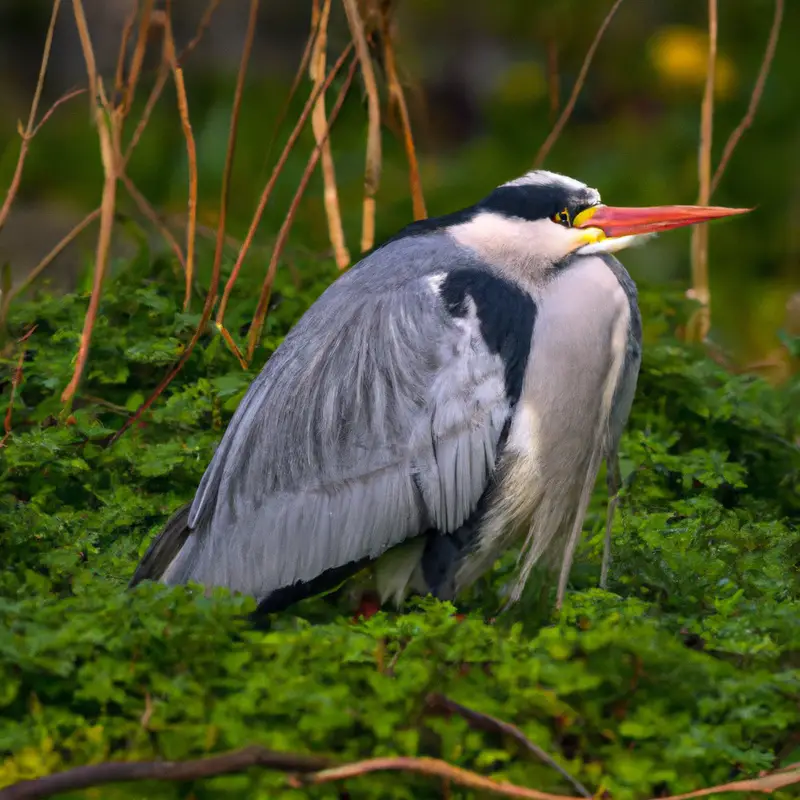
<point x="685" y="673"/>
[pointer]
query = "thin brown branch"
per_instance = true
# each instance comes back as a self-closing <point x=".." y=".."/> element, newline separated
<point x="267" y="191"/>
<point x="191" y="155"/>
<point x="755" y="97"/>
<point x="483" y="722"/>
<point x="152" y="215"/>
<point x="127" y="771"/>
<point x="232" y="346"/>
<point x="202" y="27"/>
<point x="254" y="334"/>
<point x="319" y="21"/>
<point x="220" y="239"/>
<point x="398" y="97"/>
<point x="138" y="56"/>
<point x="698" y="326"/>
<point x="566" y="112"/>
<point x="29" y="128"/>
<point x="372" y="172"/>
<point x="47" y="261"/>
<point x="298" y="76"/>
<point x="108" y="130"/>
<point x="152" y="99"/>
<point x="50" y="111"/>
<point x="16" y="382"/>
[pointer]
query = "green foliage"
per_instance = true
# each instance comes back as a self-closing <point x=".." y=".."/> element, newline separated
<point x="686" y="674"/>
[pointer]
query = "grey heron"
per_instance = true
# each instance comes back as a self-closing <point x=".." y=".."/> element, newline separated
<point x="450" y="396"/>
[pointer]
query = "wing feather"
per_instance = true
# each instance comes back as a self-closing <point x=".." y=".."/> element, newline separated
<point x="378" y="418"/>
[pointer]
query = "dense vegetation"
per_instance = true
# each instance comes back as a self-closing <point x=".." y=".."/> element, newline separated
<point x="685" y="674"/>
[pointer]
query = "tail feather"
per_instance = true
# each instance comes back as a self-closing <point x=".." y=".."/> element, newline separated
<point x="164" y="548"/>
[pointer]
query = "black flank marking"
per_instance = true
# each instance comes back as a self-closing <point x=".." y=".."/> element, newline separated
<point x="282" y="598"/>
<point x="506" y="314"/>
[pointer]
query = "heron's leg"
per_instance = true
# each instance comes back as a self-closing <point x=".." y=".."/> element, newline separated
<point x="613" y="482"/>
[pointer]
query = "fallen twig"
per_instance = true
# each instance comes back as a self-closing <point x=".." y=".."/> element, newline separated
<point x="127" y="771"/>
<point x="305" y="770"/>
<point x="566" y="112"/>
<point x="254" y="334"/>
<point x="372" y="172"/>
<point x="755" y="97"/>
<point x="479" y="721"/>
<point x="30" y="127"/>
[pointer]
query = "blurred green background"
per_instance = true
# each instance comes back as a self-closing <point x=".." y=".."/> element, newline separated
<point x="484" y="83"/>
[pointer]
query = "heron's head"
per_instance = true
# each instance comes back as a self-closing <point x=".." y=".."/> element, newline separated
<point x="546" y="217"/>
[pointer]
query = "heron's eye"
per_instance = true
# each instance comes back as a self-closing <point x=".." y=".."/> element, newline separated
<point x="563" y="218"/>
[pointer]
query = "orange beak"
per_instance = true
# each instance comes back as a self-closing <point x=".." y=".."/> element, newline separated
<point x="619" y="221"/>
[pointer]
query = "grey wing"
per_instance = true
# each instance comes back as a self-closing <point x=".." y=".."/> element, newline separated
<point x="378" y="418"/>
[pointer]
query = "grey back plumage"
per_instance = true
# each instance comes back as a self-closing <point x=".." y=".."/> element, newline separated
<point x="378" y="417"/>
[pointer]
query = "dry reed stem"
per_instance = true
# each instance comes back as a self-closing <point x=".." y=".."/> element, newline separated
<point x="372" y="172"/>
<point x="152" y="215"/>
<point x="259" y="318"/>
<point x="191" y="155"/>
<point x="220" y="238"/>
<point x="316" y="69"/>
<point x="398" y="97"/>
<point x="152" y="99"/>
<point x="29" y="128"/>
<point x="46" y="262"/>
<point x="755" y="97"/>
<point x="108" y="130"/>
<point x="50" y="111"/>
<point x="119" y="74"/>
<point x="698" y="326"/>
<point x="267" y="191"/>
<point x="566" y="112"/>
<point x="138" y="56"/>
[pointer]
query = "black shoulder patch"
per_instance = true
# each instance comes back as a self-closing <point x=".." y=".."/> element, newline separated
<point x="506" y="314"/>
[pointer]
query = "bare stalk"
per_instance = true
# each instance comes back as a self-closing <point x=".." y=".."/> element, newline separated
<point x="254" y="334"/>
<point x="220" y="238"/>
<point x="191" y="155"/>
<point x="29" y="128"/>
<point x="755" y="97"/>
<point x="372" y="173"/>
<point x="397" y="96"/>
<point x="566" y="112"/>
<point x="319" y="21"/>
<point x="267" y="191"/>
<point x="108" y="123"/>
<point x="700" y="323"/>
